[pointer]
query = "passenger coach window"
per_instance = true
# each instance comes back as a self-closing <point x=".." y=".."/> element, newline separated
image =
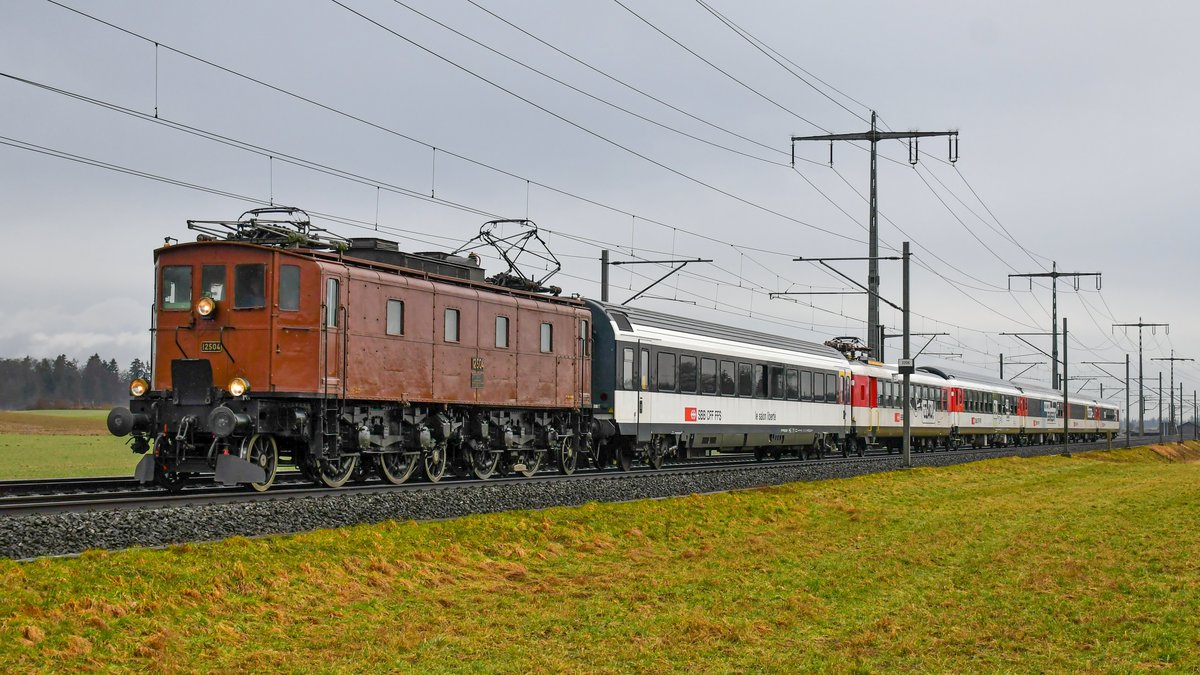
<point x="212" y="282"/>
<point x="819" y="387"/>
<point x="395" y="317"/>
<point x="666" y="371"/>
<point x="708" y="376"/>
<point x="728" y="381"/>
<point x="547" y="338"/>
<point x="627" y="369"/>
<point x="793" y="384"/>
<point x="831" y="388"/>
<point x="331" y="303"/>
<point x="745" y="380"/>
<point x="806" y="385"/>
<point x="249" y="283"/>
<point x="776" y="382"/>
<point x="760" y="381"/>
<point x="502" y="335"/>
<point x="451" y="329"/>
<point x="289" y="288"/>
<point x="687" y="374"/>
<point x="177" y="287"/>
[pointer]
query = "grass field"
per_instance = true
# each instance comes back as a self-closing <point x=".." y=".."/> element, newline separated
<point x="1053" y="564"/>
<point x="57" y="443"/>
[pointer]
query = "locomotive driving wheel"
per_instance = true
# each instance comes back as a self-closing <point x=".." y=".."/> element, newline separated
<point x="335" y="472"/>
<point x="625" y="458"/>
<point x="261" y="450"/>
<point x="433" y="460"/>
<point x="397" y="467"/>
<point x="482" y="460"/>
<point x="568" y="457"/>
<point x="531" y="459"/>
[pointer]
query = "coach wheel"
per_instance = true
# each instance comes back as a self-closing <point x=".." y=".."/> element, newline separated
<point x="759" y="454"/>
<point x="625" y="458"/>
<point x="656" y="454"/>
<point x="433" y="460"/>
<point x="532" y="461"/>
<point x="261" y="450"/>
<point x="845" y="445"/>
<point x="777" y="454"/>
<point x="861" y="446"/>
<point x="335" y="472"/>
<point x="397" y="467"/>
<point x="568" y="457"/>
<point x="483" y="461"/>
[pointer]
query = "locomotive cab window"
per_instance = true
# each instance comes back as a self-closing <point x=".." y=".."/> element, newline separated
<point x="212" y="282"/>
<point x="502" y="336"/>
<point x="289" y="288"/>
<point x="395" y="317"/>
<point x="547" y="338"/>
<point x="331" y="303"/>
<point x="249" y="286"/>
<point x="177" y="287"/>
<point x="451" y="326"/>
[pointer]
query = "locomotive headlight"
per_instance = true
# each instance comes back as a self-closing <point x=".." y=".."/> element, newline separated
<point x="206" y="307"/>
<point x="138" y="387"/>
<point x="239" y="386"/>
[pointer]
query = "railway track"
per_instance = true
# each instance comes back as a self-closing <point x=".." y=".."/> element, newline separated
<point x="27" y="497"/>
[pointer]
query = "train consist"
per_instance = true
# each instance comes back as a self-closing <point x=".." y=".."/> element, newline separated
<point x="275" y="344"/>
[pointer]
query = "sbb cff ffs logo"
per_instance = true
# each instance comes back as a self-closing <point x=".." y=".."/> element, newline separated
<point x="689" y="414"/>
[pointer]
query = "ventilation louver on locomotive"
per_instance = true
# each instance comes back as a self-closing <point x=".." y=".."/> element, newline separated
<point x="389" y="253"/>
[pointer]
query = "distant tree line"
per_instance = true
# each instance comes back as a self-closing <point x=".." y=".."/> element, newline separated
<point x="60" y="382"/>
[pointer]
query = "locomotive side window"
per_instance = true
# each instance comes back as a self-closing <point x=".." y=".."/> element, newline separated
<point x="177" y="287"/>
<point x="547" y="338"/>
<point x="451" y="328"/>
<point x="585" y="338"/>
<point x="331" y="303"/>
<point x="249" y="286"/>
<point x="627" y="369"/>
<point x="831" y="388"/>
<point x="289" y="288"/>
<point x="687" y="374"/>
<point x="708" y="376"/>
<point x="793" y="384"/>
<point x="666" y="371"/>
<point x="395" y="317"/>
<point x="745" y="380"/>
<point x="502" y="338"/>
<point x="728" y="381"/>
<point x="212" y="282"/>
<point x="806" y="385"/>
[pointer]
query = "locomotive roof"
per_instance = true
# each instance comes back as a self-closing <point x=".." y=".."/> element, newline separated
<point x="363" y="263"/>
<point x="651" y="319"/>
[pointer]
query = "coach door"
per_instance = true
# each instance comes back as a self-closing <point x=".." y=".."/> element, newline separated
<point x="644" y="400"/>
<point x="333" y="337"/>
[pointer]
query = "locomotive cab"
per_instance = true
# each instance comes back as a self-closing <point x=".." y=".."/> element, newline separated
<point x="235" y="325"/>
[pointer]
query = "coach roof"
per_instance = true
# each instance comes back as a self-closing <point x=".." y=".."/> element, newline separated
<point x="637" y="316"/>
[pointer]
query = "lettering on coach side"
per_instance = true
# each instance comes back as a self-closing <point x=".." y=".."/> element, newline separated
<point x="700" y="415"/>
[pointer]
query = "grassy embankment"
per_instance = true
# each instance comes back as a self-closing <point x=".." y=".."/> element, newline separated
<point x="53" y="443"/>
<point x="1049" y="564"/>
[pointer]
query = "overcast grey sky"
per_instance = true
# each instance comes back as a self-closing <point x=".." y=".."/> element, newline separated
<point x="1070" y="116"/>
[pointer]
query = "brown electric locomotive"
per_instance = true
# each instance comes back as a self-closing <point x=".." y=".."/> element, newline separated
<point x="275" y="343"/>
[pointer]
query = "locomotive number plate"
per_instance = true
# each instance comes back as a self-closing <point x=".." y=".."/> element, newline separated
<point x="209" y="347"/>
<point x="476" y="363"/>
